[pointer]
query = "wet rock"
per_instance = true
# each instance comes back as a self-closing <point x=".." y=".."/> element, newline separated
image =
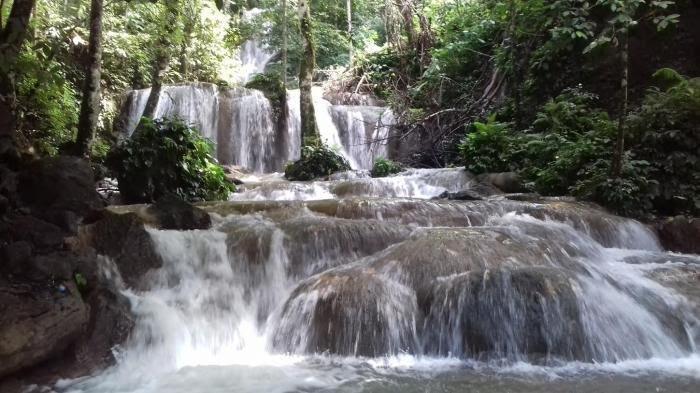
<point x="59" y="183"/>
<point x="172" y="212"/>
<point x="428" y="255"/>
<point x="43" y="235"/>
<point x="680" y="234"/>
<point x="524" y="197"/>
<point x="58" y="265"/>
<point x="504" y="314"/>
<point x="352" y="312"/>
<point x="124" y="238"/>
<point x="111" y="323"/>
<point x="465" y="195"/>
<point x="508" y="182"/>
<point x="15" y="257"/>
<point x="315" y="244"/>
<point x="37" y="323"/>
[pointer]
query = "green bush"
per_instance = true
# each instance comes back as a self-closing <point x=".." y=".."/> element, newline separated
<point x="489" y="147"/>
<point x="567" y="150"/>
<point x="631" y="194"/>
<point x="568" y="134"/>
<point x="665" y="131"/>
<point x="383" y="167"/>
<point x="316" y="162"/>
<point x="167" y="157"/>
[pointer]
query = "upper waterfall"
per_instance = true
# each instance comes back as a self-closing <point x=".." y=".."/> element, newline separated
<point x="241" y="123"/>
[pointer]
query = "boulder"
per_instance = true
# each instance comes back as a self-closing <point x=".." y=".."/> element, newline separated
<point x="680" y="234"/>
<point x="505" y="314"/>
<point x="464" y="195"/>
<point x="38" y="322"/>
<point x="508" y="182"/>
<point x="124" y="238"/>
<point x="172" y="212"/>
<point x="15" y="257"/>
<point x="350" y="312"/>
<point x="43" y="235"/>
<point x="59" y="183"/>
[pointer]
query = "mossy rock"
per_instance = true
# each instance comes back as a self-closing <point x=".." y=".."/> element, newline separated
<point x="316" y="162"/>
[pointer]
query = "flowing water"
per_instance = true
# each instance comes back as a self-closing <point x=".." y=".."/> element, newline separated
<point x="242" y="124"/>
<point x="356" y="284"/>
<point x="369" y="285"/>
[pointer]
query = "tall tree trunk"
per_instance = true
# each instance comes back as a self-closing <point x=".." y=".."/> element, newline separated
<point x="12" y="37"/>
<point x="309" y="128"/>
<point x="163" y="55"/>
<point x="406" y="8"/>
<point x="619" y="152"/>
<point x="187" y="31"/>
<point x="349" y="15"/>
<point x="285" y="44"/>
<point x="90" y="105"/>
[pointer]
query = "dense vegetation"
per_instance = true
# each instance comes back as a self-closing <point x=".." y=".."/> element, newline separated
<point x="167" y="157"/>
<point x="559" y="91"/>
<point x="316" y="162"/>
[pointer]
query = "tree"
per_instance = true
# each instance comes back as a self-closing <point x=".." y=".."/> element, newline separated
<point x="349" y="15"/>
<point x="12" y="37"/>
<point x="163" y="54"/>
<point x="309" y="128"/>
<point x="285" y="43"/>
<point x="624" y="15"/>
<point x="90" y="105"/>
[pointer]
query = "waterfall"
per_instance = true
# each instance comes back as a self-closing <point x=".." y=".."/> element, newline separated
<point x="360" y="281"/>
<point x="241" y="123"/>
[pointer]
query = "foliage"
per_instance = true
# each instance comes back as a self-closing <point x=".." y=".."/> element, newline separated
<point x="567" y="134"/>
<point x="316" y="162"/>
<point x="273" y="87"/>
<point x="167" y="157"/>
<point x="567" y="150"/>
<point x="383" y="167"/>
<point x="664" y="131"/>
<point x="488" y="147"/>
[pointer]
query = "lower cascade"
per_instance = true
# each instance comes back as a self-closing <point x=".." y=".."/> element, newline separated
<point x="367" y="285"/>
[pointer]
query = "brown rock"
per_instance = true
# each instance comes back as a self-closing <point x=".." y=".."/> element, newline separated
<point x="680" y="234"/>
<point x="37" y="323"/>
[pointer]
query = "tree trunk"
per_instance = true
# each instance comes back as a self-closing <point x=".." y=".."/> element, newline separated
<point x="309" y="129"/>
<point x="285" y="44"/>
<point x="90" y="105"/>
<point x="12" y="37"/>
<point x="349" y="15"/>
<point x="619" y="152"/>
<point x="163" y="55"/>
<point x="188" y="30"/>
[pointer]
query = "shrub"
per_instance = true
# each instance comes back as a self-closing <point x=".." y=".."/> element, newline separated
<point x="631" y="194"/>
<point x="567" y="135"/>
<point x="665" y="132"/>
<point x="488" y="148"/>
<point x="316" y="162"/>
<point x="167" y="157"/>
<point x="383" y="167"/>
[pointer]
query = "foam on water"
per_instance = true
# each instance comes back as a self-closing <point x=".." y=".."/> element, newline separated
<point x="235" y="308"/>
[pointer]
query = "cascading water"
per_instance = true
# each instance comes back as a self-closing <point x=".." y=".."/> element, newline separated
<point x="241" y="122"/>
<point x="368" y="285"/>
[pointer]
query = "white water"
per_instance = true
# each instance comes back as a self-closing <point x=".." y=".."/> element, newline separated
<point x="241" y="122"/>
<point x="238" y="308"/>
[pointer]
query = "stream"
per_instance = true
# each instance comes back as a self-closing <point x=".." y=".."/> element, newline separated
<point x="369" y="285"/>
